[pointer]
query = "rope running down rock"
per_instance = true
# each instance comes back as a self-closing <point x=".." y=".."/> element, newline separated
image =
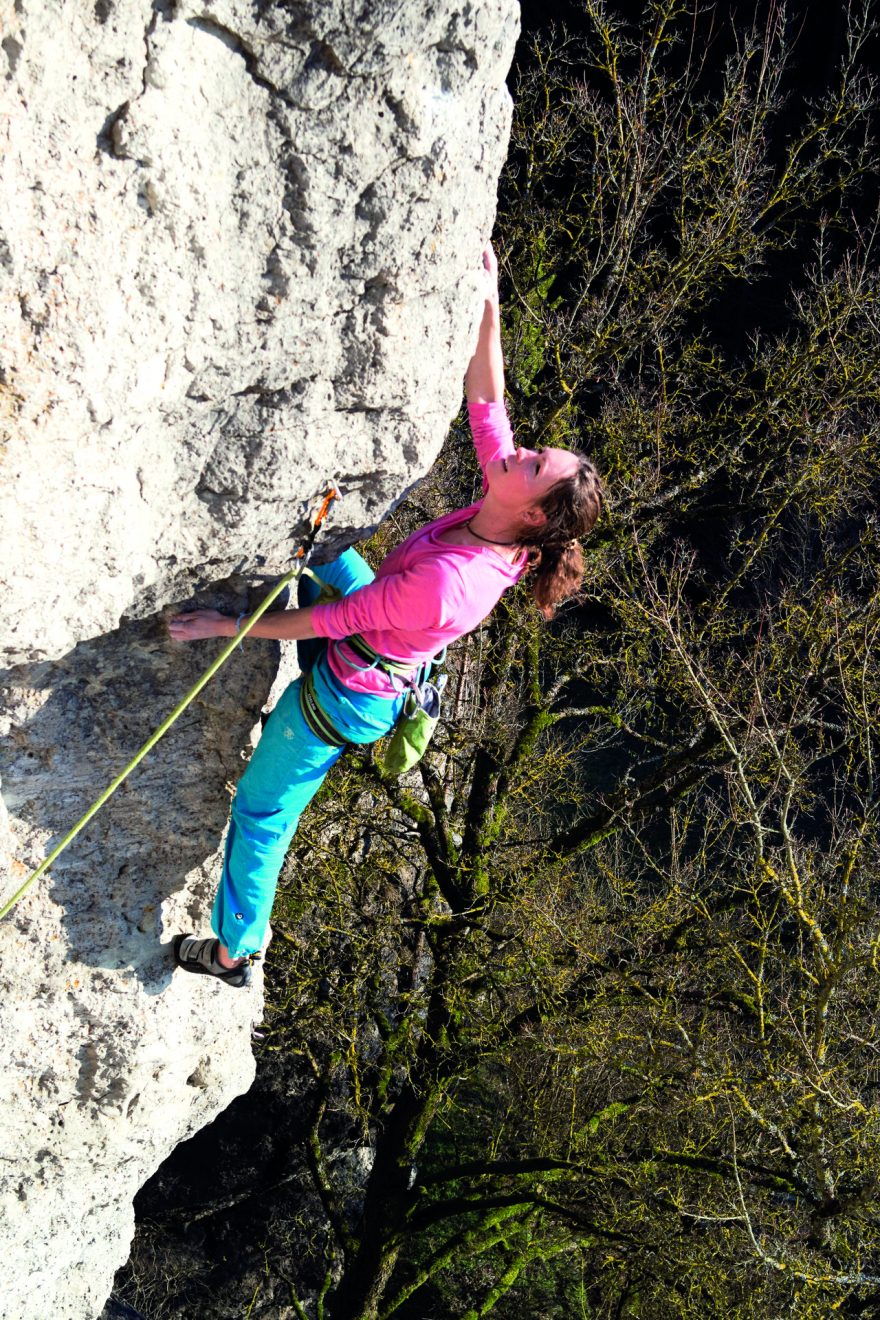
<point x="302" y="557"/>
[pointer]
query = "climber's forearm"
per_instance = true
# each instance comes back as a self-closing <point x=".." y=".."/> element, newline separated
<point x="484" y="382"/>
<point x="280" y="626"/>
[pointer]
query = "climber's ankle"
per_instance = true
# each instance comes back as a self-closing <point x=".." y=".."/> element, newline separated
<point x="224" y="959"/>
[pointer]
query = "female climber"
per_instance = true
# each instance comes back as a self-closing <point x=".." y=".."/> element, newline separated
<point x="435" y="587"/>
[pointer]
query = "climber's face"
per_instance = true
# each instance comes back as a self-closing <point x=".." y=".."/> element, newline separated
<point x="519" y="483"/>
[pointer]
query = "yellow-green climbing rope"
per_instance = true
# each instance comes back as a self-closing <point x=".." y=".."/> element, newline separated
<point x="302" y="557"/>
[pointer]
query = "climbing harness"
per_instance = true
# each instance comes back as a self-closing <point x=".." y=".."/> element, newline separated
<point x="316" y="718"/>
<point x="417" y="720"/>
<point x="395" y="669"/>
<point x="302" y="557"/>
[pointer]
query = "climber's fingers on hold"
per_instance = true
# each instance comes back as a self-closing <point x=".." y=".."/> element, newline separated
<point x="195" y="625"/>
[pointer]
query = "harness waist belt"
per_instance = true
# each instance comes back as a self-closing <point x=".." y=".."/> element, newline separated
<point x="316" y="719"/>
<point x="314" y="715"/>
<point x="362" y="649"/>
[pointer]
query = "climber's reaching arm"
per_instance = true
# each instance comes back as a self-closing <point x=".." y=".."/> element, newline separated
<point x="278" y="626"/>
<point x="484" y="382"/>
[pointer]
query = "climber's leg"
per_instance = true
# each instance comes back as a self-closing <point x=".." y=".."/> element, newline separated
<point x="285" y="771"/>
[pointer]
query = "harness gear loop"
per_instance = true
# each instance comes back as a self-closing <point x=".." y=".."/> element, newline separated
<point x="302" y="557"/>
<point x="403" y="669"/>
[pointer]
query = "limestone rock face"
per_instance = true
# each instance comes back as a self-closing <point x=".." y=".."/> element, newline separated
<point x="239" y="248"/>
<point x="239" y="256"/>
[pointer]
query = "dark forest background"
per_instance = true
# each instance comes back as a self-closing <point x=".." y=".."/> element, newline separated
<point x="579" y="1020"/>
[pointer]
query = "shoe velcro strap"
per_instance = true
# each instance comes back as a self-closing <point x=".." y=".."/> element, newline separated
<point x="199" y="952"/>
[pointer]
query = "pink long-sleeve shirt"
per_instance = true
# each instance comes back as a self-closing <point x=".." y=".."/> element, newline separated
<point x="426" y="593"/>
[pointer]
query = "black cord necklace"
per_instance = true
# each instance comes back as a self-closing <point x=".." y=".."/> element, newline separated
<point x="488" y="539"/>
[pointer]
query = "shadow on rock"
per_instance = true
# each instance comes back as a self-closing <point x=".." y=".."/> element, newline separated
<point x="74" y="724"/>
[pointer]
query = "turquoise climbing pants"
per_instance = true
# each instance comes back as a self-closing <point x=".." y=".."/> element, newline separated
<point x="284" y="773"/>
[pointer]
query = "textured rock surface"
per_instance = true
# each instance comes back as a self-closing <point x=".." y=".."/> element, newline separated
<point x="238" y="251"/>
<point x="238" y="244"/>
<point x="105" y="1064"/>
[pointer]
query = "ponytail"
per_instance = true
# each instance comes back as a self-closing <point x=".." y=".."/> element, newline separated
<point x="571" y="509"/>
<point x="556" y="575"/>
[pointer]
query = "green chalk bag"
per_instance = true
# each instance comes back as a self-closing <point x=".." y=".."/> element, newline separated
<point x="414" y="728"/>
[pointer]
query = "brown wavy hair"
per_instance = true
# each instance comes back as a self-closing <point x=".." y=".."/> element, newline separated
<point x="571" y="509"/>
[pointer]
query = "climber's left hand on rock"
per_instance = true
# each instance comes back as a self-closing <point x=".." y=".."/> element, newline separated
<point x="196" y="625"/>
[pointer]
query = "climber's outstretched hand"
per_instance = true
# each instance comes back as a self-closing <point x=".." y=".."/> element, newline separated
<point x="484" y="381"/>
<point x="199" y="624"/>
<point x="490" y="266"/>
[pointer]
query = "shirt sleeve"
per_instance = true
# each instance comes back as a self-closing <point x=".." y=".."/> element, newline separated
<point x="490" y="428"/>
<point x="427" y="596"/>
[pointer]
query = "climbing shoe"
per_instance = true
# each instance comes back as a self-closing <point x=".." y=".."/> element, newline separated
<point x="200" y="956"/>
